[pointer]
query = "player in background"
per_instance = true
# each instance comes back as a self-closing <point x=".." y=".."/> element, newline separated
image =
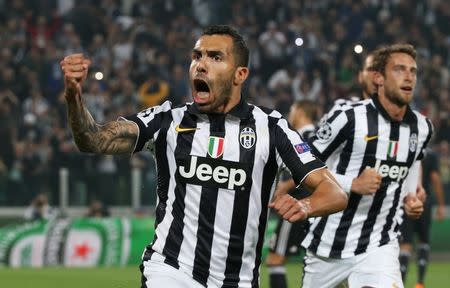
<point x="288" y="236"/>
<point x="421" y="227"/>
<point x="368" y="182"/>
<point x="384" y="135"/>
<point x="368" y="88"/>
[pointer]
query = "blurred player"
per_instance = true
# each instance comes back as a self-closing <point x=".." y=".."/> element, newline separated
<point x="288" y="236"/>
<point x="384" y="137"/>
<point x="217" y="159"/>
<point x="421" y="227"/>
<point x="365" y="80"/>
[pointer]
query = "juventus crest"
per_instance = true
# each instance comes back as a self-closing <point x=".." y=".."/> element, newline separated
<point x="247" y="137"/>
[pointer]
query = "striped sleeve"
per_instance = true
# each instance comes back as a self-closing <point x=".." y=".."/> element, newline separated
<point x="339" y="104"/>
<point x="430" y="133"/>
<point x="293" y="152"/>
<point x="149" y="122"/>
<point x="331" y="135"/>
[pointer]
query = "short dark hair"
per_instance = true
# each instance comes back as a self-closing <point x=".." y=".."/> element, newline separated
<point x="381" y="55"/>
<point x="240" y="48"/>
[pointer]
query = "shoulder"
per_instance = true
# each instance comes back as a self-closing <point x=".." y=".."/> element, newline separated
<point x="165" y="106"/>
<point x="347" y="112"/>
<point x="423" y="122"/>
<point x="266" y="112"/>
<point x="271" y="117"/>
<point x="343" y="106"/>
<point x="420" y="116"/>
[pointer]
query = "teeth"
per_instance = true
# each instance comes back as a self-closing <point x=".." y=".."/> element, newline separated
<point x="203" y="94"/>
<point x="201" y="97"/>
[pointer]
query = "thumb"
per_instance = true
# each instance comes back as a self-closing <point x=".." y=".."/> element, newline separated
<point x="410" y="200"/>
<point x="271" y="204"/>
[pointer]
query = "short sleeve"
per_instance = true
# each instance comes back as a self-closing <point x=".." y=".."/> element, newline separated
<point x="294" y="153"/>
<point x="149" y="122"/>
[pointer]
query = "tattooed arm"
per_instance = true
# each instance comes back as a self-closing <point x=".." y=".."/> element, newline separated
<point x="112" y="138"/>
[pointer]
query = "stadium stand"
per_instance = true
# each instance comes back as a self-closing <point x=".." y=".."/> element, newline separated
<point x="299" y="50"/>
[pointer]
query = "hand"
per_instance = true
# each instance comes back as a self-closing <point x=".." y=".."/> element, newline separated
<point x="413" y="206"/>
<point x="440" y="212"/>
<point x="368" y="182"/>
<point x="290" y="208"/>
<point x="283" y="187"/>
<point x="421" y="193"/>
<point x="75" y="70"/>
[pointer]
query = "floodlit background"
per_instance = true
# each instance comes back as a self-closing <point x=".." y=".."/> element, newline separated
<point x="100" y="208"/>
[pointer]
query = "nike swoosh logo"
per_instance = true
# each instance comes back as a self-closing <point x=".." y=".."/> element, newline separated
<point x="181" y="130"/>
<point x="368" y="138"/>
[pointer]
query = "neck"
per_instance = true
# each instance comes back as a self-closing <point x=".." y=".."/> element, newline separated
<point x="395" y="111"/>
<point x="302" y="123"/>
<point x="233" y="101"/>
<point x="366" y="95"/>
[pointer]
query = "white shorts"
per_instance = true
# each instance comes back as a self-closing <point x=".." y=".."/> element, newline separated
<point x="160" y="274"/>
<point x="378" y="268"/>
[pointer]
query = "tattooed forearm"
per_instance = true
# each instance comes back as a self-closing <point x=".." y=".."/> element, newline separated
<point x="112" y="138"/>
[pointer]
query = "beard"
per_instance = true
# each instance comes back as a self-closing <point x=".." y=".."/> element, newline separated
<point x="396" y="97"/>
<point x="222" y="94"/>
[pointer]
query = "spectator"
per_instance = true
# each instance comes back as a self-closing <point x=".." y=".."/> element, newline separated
<point x="273" y="42"/>
<point x="39" y="209"/>
<point x="98" y="209"/>
<point x="125" y="38"/>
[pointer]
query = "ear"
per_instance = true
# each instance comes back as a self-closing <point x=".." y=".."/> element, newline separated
<point x="378" y="79"/>
<point x="240" y="75"/>
<point x="359" y="77"/>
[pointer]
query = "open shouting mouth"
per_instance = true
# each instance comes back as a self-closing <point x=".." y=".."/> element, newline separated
<point x="201" y="91"/>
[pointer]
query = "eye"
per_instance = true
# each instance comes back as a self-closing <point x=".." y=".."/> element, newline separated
<point x="217" y="58"/>
<point x="196" y="56"/>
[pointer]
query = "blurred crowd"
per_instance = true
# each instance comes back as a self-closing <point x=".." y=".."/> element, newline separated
<point x="140" y="50"/>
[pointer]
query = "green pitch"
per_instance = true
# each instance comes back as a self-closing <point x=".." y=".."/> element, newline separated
<point x="438" y="277"/>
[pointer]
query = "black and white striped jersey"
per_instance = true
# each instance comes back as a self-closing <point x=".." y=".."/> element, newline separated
<point x="338" y="105"/>
<point x="216" y="175"/>
<point x="355" y="137"/>
<point x="307" y="131"/>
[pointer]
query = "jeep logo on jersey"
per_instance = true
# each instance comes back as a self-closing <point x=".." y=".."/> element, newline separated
<point x="247" y="137"/>
<point x="391" y="170"/>
<point x="214" y="173"/>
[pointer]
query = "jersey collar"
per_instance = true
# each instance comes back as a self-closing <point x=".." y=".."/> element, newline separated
<point x="241" y="110"/>
<point x="409" y="117"/>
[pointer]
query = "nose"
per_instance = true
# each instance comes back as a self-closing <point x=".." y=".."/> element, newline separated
<point x="201" y="66"/>
<point x="409" y="76"/>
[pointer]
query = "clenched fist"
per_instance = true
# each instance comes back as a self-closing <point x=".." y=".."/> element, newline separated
<point x="75" y="70"/>
<point x="290" y="208"/>
<point x="368" y="182"/>
<point x="413" y="206"/>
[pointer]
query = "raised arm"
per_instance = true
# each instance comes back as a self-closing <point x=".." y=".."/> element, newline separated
<point x="116" y="137"/>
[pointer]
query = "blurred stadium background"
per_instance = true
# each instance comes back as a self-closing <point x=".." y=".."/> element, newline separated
<point x="300" y="49"/>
